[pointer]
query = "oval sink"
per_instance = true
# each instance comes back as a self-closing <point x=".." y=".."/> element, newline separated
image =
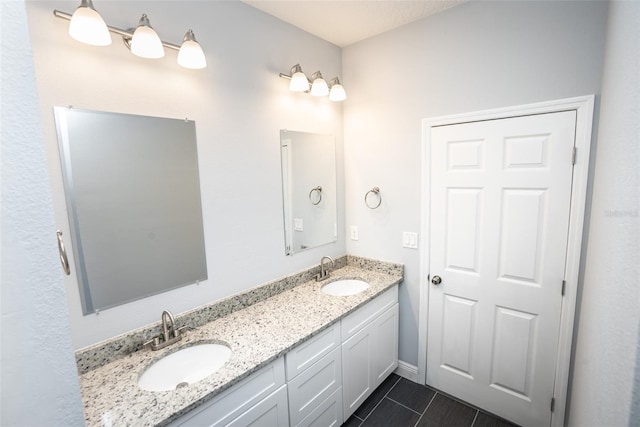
<point x="184" y="367"/>
<point x="345" y="287"/>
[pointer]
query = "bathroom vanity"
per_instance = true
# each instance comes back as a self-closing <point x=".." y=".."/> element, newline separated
<point x="300" y="357"/>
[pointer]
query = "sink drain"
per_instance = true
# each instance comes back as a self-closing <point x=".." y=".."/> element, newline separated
<point x="182" y="385"/>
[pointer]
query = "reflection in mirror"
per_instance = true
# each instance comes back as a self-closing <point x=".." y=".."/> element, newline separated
<point x="308" y="189"/>
<point x="133" y="200"/>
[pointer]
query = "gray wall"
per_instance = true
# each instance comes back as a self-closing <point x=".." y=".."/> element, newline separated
<point x="38" y="370"/>
<point x="239" y="105"/>
<point x="607" y="338"/>
<point x="476" y="56"/>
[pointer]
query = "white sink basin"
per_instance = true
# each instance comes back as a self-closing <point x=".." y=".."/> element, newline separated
<point x="184" y="367"/>
<point x="345" y="287"/>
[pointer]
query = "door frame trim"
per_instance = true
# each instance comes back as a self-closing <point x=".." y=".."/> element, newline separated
<point x="584" y="107"/>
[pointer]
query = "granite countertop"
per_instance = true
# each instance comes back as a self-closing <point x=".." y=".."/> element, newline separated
<point x="257" y="335"/>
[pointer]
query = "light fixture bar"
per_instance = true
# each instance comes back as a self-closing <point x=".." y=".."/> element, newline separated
<point x="316" y="85"/>
<point x="126" y="35"/>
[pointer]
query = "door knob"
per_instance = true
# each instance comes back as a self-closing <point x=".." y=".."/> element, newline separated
<point x="436" y="280"/>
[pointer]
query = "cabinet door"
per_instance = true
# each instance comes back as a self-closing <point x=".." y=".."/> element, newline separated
<point x="385" y="345"/>
<point x="356" y="370"/>
<point x="271" y="412"/>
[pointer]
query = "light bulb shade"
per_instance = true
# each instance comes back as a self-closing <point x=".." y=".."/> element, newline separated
<point x="87" y="26"/>
<point x="299" y="81"/>
<point x="145" y="42"/>
<point x="191" y="54"/>
<point x="337" y="92"/>
<point x="318" y="86"/>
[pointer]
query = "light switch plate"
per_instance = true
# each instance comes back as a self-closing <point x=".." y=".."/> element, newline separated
<point x="354" y="232"/>
<point x="409" y="240"/>
<point x="298" y="224"/>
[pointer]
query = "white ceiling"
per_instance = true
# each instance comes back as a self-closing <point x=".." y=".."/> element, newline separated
<point x="343" y="22"/>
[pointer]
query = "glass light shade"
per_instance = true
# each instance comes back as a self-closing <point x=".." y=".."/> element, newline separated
<point x="319" y="87"/>
<point x="337" y="93"/>
<point x="87" y="26"/>
<point x="145" y="42"/>
<point x="191" y="55"/>
<point x="299" y="82"/>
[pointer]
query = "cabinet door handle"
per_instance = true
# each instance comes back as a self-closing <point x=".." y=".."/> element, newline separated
<point x="63" y="254"/>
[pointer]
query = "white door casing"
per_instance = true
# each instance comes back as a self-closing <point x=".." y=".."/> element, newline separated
<point x="511" y="222"/>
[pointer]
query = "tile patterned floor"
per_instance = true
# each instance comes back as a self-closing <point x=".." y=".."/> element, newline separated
<point x="399" y="402"/>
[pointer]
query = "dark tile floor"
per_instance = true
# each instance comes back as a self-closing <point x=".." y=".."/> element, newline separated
<point x="399" y="402"/>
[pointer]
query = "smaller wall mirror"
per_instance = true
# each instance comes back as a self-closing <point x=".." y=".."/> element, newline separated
<point x="133" y="199"/>
<point x="309" y="190"/>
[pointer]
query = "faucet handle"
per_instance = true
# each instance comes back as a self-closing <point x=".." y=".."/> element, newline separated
<point x="155" y="341"/>
<point x="178" y="331"/>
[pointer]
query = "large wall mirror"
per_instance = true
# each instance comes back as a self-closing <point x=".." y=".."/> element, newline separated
<point x="309" y="190"/>
<point x="133" y="199"/>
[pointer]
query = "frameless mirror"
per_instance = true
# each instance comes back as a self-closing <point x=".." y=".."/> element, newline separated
<point x="133" y="199"/>
<point x="308" y="189"/>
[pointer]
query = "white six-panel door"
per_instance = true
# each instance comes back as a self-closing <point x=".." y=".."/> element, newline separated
<point x="500" y="205"/>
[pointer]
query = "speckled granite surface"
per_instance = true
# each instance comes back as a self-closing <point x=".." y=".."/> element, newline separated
<point x="257" y="335"/>
<point x="108" y="351"/>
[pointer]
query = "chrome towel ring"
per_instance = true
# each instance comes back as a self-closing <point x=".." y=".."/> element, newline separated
<point x="318" y="189"/>
<point x="63" y="254"/>
<point x="376" y="191"/>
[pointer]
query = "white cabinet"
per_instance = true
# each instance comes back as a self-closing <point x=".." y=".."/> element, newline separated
<point x="309" y="352"/>
<point x="271" y="411"/>
<point x="385" y="345"/>
<point x="314" y="372"/>
<point x="260" y="397"/>
<point x="319" y="383"/>
<point x="370" y="353"/>
<point x="327" y="414"/>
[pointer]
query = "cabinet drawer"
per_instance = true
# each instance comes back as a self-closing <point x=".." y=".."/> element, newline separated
<point x="272" y="412"/>
<point x="309" y="352"/>
<point x="313" y="386"/>
<point x="328" y="414"/>
<point x="233" y="402"/>
<point x="364" y="315"/>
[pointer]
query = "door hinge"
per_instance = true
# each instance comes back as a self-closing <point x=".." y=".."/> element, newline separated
<point x="573" y="155"/>
<point x="553" y="403"/>
<point x="564" y="286"/>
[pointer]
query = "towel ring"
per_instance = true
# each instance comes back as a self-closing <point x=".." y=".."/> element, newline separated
<point x="319" y="190"/>
<point x="376" y="191"/>
<point x="63" y="254"/>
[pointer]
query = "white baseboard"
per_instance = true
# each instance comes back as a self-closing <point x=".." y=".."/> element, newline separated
<point x="408" y="371"/>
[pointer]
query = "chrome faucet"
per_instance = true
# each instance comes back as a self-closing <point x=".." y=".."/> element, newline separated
<point x="170" y="334"/>
<point x="167" y="328"/>
<point x="323" y="272"/>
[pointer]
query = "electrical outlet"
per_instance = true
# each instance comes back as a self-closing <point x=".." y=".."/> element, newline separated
<point x="354" y="232"/>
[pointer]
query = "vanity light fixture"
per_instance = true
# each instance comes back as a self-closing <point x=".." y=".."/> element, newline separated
<point x="145" y="42"/>
<point x="336" y="92"/>
<point x="299" y="81"/>
<point x="87" y="26"/>
<point x="191" y="54"/>
<point x="316" y="86"/>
